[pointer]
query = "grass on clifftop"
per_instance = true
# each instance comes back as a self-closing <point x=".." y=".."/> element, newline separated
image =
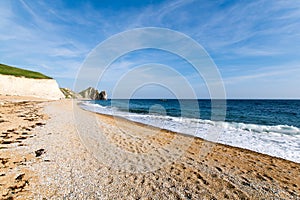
<point x="8" y="70"/>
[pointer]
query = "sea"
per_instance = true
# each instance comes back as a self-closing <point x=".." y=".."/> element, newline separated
<point x="266" y="126"/>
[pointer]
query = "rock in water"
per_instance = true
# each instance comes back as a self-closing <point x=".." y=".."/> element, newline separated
<point x="103" y="95"/>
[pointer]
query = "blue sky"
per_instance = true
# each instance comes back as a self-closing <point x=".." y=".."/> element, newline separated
<point x="254" y="44"/>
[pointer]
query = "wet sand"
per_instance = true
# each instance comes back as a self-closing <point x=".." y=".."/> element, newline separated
<point x="204" y="170"/>
<point x="76" y="166"/>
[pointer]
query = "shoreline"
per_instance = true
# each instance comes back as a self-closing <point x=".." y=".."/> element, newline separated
<point x="190" y="136"/>
<point x="258" y="158"/>
<point x="67" y="169"/>
<point x="187" y="135"/>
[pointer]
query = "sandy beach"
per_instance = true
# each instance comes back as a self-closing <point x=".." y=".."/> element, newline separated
<point x="43" y="156"/>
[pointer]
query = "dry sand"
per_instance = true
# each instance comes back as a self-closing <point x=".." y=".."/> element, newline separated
<point x="81" y="166"/>
<point x="18" y="117"/>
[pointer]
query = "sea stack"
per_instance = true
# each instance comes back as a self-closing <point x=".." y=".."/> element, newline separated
<point x="103" y="95"/>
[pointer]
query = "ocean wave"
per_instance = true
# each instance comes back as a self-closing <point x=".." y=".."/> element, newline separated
<point x="282" y="129"/>
<point x="278" y="140"/>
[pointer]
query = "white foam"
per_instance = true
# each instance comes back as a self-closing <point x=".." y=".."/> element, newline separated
<point x="279" y="141"/>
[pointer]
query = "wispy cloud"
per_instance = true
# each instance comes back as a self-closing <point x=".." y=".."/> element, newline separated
<point x="267" y="73"/>
<point x="243" y="38"/>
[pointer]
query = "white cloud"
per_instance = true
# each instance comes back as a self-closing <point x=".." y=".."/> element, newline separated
<point x="57" y="39"/>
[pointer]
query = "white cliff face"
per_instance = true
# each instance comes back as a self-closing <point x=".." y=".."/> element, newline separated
<point x="20" y="86"/>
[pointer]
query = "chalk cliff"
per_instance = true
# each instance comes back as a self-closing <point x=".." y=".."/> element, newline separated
<point x="20" y="86"/>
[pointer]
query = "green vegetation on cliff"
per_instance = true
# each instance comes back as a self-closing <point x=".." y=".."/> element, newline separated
<point x="69" y="94"/>
<point x="8" y="70"/>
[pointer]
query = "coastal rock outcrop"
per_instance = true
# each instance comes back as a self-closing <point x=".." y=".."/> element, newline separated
<point x="21" y="86"/>
<point x="89" y="93"/>
<point x="69" y="94"/>
<point x="103" y="95"/>
<point x="93" y="94"/>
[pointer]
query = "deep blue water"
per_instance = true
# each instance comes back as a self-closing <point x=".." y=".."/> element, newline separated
<point x="261" y="112"/>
